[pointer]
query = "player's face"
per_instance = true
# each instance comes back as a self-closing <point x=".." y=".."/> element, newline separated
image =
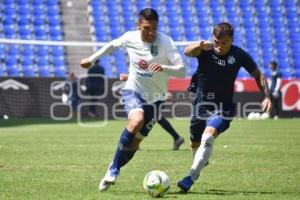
<point x="222" y="46"/>
<point x="148" y="30"/>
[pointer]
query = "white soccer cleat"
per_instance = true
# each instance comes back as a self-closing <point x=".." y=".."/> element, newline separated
<point x="109" y="179"/>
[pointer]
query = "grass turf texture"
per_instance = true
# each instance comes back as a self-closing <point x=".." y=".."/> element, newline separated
<point x="42" y="159"/>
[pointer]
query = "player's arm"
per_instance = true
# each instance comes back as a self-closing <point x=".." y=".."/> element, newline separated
<point x="262" y="84"/>
<point x="123" y="77"/>
<point x="176" y="68"/>
<point x="105" y="50"/>
<point x="194" y="50"/>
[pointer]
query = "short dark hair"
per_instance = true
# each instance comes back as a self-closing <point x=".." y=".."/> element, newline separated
<point x="223" y="29"/>
<point x="148" y="14"/>
<point x="273" y="63"/>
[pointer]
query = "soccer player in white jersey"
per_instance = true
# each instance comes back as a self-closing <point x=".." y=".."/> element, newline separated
<point x="153" y="58"/>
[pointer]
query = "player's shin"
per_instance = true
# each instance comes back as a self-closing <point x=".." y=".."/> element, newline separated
<point x="202" y="155"/>
<point x="123" y="153"/>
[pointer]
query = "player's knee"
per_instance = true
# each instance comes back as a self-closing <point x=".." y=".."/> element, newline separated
<point x="207" y="139"/>
<point x="135" y="123"/>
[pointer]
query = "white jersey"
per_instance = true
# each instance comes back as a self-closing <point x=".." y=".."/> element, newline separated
<point x="151" y="86"/>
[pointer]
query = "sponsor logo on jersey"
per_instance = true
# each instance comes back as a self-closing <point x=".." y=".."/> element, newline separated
<point x="144" y="74"/>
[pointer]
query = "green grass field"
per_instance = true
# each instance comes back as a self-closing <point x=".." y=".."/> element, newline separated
<point x="40" y="159"/>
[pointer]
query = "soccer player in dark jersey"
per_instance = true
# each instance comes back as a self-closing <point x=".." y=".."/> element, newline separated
<point x="219" y="62"/>
<point x="275" y="89"/>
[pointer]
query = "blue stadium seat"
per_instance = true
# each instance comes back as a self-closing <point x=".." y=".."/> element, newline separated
<point x="24" y="2"/>
<point x="25" y="10"/>
<point x="297" y="73"/>
<point x="28" y="71"/>
<point x="10" y="9"/>
<point x="13" y="50"/>
<point x="44" y="72"/>
<point x="12" y="70"/>
<point x="60" y="72"/>
<point x="58" y="61"/>
<point x="1" y="70"/>
<point x="57" y="51"/>
<point x="37" y="2"/>
<point x="39" y="20"/>
<point x="8" y="20"/>
<point x="38" y="10"/>
<point x="42" y="62"/>
<point x="52" y="2"/>
<point x="24" y="20"/>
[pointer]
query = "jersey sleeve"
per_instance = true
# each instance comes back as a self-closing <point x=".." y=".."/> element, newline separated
<point x="172" y="52"/>
<point x="202" y="55"/>
<point x="122" y="40"/>
<point x="247" y="62"/>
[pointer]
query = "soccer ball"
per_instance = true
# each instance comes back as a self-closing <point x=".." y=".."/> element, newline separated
<point x="156" y="183"/>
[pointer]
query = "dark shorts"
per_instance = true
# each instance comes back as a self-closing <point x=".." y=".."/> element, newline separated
<point x="206" y="114"/>
<point x="133" y="100"/>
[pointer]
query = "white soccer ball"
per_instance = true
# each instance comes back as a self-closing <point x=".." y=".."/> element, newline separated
<point x="156" y="183"/>
<point x="251" y="116"/>
<point x="265" y="116"/>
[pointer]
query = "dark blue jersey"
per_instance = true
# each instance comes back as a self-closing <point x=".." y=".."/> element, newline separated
<point x="216" y="74"/>
<point x="274" y="76"/>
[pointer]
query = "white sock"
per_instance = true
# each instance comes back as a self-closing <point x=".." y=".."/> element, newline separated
<point x="194" y="150"/>
<point x="202" y="155"/>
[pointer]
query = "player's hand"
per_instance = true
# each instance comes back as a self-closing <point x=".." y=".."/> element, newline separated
<point x="85" y="63"/>
<point x="206" y="45"/>
<point x="154" y="67"/>
<point x="123" y="77"/>
<point x="266" y="105"/>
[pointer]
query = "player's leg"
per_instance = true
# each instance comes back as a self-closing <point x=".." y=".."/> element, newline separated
<point x="129" y="139"/>
<point x="216" y="124"/>
<point x="178" y="140"/>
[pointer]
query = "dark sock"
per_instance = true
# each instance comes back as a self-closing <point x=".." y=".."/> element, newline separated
<point x="123" y="155"/>
<point x="168" y="127"/>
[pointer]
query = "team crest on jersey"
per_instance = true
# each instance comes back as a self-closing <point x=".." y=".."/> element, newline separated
<point x="231" y="60"/>
<point x="154" y="50"/>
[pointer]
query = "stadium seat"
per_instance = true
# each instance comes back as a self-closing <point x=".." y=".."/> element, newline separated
<point x="28" y="71"/>
<point x="12" y="70"/>
<point x="1" y="70"/>
<point x="60" y="72"/>
<point x="44" y="72"/>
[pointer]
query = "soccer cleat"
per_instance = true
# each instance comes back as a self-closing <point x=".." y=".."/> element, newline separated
<point x="178" y="143"/>
<point x="185" y="184"/>
<point x="109" y="179"/>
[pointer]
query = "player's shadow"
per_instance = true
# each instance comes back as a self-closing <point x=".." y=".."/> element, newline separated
<point x="224" y="192"/>
<point x="160" y="150"/>
<point x="40" y="121"/>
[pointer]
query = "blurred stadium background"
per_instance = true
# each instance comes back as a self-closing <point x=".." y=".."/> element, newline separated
<point x="45" y="39"/>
